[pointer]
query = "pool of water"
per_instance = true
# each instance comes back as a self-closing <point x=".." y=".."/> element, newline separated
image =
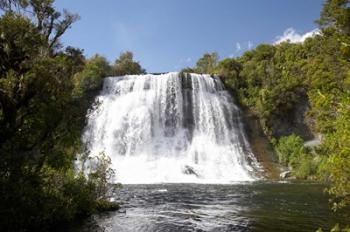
<point x="257" y="206"/>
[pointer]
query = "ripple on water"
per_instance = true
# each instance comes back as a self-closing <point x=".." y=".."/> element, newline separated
<point x="194" y="207"/>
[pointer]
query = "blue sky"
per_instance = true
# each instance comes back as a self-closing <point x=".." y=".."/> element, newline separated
<point x="167" y="35"/>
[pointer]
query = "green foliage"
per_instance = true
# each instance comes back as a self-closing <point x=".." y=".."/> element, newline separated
<point x="20" y="40"/>
<point x="51" y="24"/>
<point x="292" y="153"/>
<point x="207" y="63"/>
<point x="336" y="14"/>
<point x="104" y="205"/>
<point x="187" y="70"/>
<point x="125" y="65"/>
<point x="337" y="228"/>
<point x="289" y="149"/>
<point x="306" y="167"/>
<point x="229" y="70"/>
<point x="90" y="78"/>
<point x="270" y="82"/>
<point x="75" y="59"/>
<point x="41" y="119"/>
<point x="102" y="175"/>
<point x="337" y="146"/>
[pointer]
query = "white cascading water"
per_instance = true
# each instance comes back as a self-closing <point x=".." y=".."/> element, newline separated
<point x="170" y="128"/>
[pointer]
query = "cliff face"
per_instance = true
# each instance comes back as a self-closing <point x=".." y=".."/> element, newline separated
<point x="293" y="123"/>
<point x="260" y="145"/>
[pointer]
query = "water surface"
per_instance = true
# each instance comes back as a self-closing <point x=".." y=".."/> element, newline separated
<point x="257" y="206"/>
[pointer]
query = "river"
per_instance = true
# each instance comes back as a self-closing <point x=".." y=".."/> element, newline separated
<point x="249" y="206"/>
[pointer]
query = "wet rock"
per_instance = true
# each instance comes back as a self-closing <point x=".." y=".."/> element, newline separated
<point x="286" y="174"/>
<point x="314" y="142"/>
<point x="188" y="170"/>
<point x="122" y="211"/>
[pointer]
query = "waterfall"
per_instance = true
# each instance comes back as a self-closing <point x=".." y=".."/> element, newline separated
<point x="170" y="128"/>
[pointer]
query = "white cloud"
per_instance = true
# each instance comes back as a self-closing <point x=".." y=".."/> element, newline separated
<point x="250" y="45"/>
<point x="238" y="47"/>
<point x="293" y="37"/>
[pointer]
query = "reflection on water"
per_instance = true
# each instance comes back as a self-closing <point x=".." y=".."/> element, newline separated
<point x="243" y="207"/>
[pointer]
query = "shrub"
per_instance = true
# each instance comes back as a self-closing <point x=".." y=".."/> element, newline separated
<point x="289" y="148"/>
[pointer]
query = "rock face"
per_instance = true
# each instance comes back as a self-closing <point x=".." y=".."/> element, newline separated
<point x="188" y="170"/>
<point x="260" y="145"/>
<point x="295" y="122"/>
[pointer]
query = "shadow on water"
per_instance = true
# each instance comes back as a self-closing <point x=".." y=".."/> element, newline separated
<point x="259" y="206"/>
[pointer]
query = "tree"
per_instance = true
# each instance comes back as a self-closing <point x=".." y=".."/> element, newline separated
<point x="187" y="70"/>
<point x="289" y="149"/>
<point x="75" y="58"/>
<point x="336" y="14"/>
<point x="11" y="5"/>
<point x="207" y="63"/>
<point x="41" y="121"/>
<point x="102" y="175"/>
<point x="20" y="44"/>
<point x="292" y="153"/>
<point x="90" y="78"/>
<point x="335" y="23"/>
<point x="20" y="41"/>
<point x="125" y="65"/>
<point x="229" y="70"/>
<point x="51" y="23"/>
<point x="337" y="146"/>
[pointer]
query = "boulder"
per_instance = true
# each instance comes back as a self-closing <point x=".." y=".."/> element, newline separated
<point x="188" y="170"/>
<point x="286" y="174"/>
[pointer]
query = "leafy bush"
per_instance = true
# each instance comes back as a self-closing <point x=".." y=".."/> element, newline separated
<point x="289" y="149"/>
<point x="337" y="147"/>
<point x="229" y="70"/>
<point x="125" y="65"/>
<point x="207" y="63"/>
<point x="90" y="78"/>
<point x="292" y="153"/>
